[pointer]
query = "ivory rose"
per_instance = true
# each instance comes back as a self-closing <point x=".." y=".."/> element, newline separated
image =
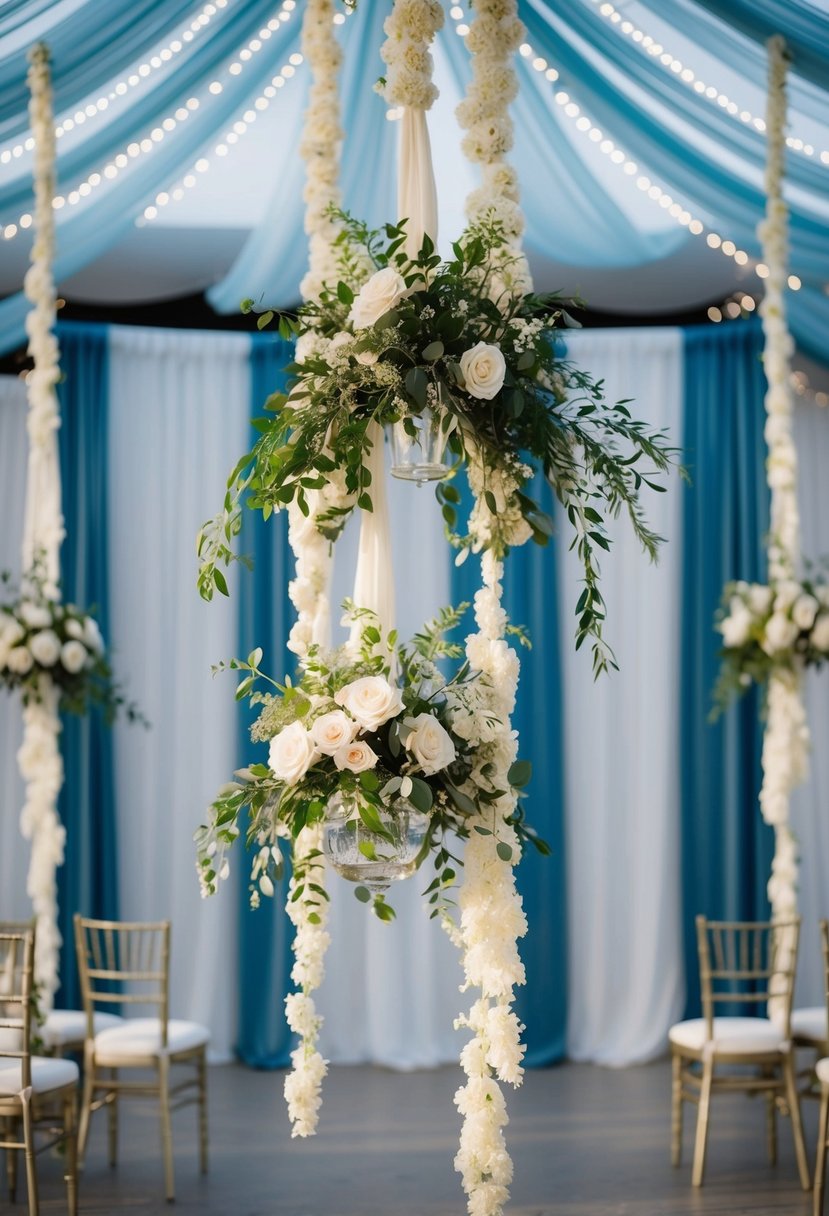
<point x="735" y="627"/>
<point x="804" y="611"/>
<point x="20" y="660"/>
<point x="377" y="296"/>
<point x="292" y="753"/>
<point x="430" y="745"/>
<point x="371" y="701"/>
<point x="45" y="647"/>
<point x="73" y="656"/>
<point x="483" y="368"/>
<point x="780" y="633"/>
<point x="333" y="731"/>
<point x="820" y="633"/>
<point x="356" y="756"/>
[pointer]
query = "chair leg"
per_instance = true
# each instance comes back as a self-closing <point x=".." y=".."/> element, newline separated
<point x="11" y="1133"/>
<point x="771" y="1119"/>
<point x="202" y="1072"/>
<point x="166" y="1129"/>
<point x="70" y="1128"/>
<point x="31" y="1170"/>
<point x="820" y="1160"/>
<point x="702" y="1122"/>
<point x="676" y="1109"/>
<point x="112" y="1113"/>
<point x="86" y="1103"/>
<point x="793" y="1099"/>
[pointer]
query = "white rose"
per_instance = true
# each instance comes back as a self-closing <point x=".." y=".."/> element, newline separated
<point x="73" y="656"/>
<point x="786" y="594"/>
<point x="377" y="296"/>
<point x="20" y="660"/>
<point x="483" y="369"/>
<point x="13" y="633"/>
<point x="820" y="633"/>
<point x="356" y="756"/>
<point x="74" y="628"/>
<point x="804" y="611"/>
<point x="333" y="731"/>
<point x="92" y="635"/>
<point x="367" y="357"/>
<point x="371" y="701"/>
<point x="759" y="598"/>
<point x="430" y="744"/>
<point x="736" y="627"/>
<point x="780" y="633"/>
<point x="45" y="647"/>
<point x="292" y="753"/>
<point x="36" y="616"/>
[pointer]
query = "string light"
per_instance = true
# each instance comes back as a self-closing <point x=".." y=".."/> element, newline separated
<point x="688" y="76"/>
<point x="801" y="384"/>
<point x="137" y="148"/>
<point x="627" y="165"/>
<point x="158" y="60"/>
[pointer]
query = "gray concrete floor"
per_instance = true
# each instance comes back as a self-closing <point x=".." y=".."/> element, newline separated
<point x="585" y="1141"/>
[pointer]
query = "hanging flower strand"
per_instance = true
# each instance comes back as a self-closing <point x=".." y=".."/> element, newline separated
<point x="410" y="28"/>
<point x="786" y="737"/>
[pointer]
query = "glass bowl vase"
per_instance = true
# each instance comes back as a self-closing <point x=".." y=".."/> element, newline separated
<point x="418" y="445"/>
<point x="371" y="858"/>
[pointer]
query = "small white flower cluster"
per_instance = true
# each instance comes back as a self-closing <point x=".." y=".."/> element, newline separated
<point x="410" y="29"/>
<point x="785" y="618"/>
<point x="308" y="590"/>
<point x="494" y="36"/>
<point x="506" y="526"/>
<point x="303" y="1084"/>
<point x="40" y="636"/>
<point x="320" y="144"/>
<point x="492" y="917"/>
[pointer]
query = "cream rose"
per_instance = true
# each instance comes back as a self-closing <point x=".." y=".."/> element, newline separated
<point x="356" y="757"/>
<point x="333" y="731"/>
<point x="820" y="633"/>
<point x="483" y="368"/>
<point x="292" y="753"/>
<point x="45" y="647"/>
<point x="371" y="701"/>
<point x="20" y="660"/>
<point x="73" y="656"/>
<point x="804" y="611"/>
<point x="92" y="635"/>
<point x="36" y="616"/>
<point x="780" y="633"/>
<point x="430" y="745"/>
<point x="735" y="627"/>
<point x="760" y="598"/>
<point x="377" y="296"/>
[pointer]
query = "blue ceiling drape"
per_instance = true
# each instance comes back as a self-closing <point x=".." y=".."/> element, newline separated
<point x="706" y="158"/>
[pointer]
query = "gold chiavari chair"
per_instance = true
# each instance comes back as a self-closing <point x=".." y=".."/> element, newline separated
<point x="822" y="1073"/>
<point x="810" y="1026"/>
<point x="128" y="963"/>
<point x="740" y="963"/>
<point x="37" y="1093"/>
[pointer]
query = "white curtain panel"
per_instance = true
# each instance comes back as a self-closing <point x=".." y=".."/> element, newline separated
<point x="625" y="983"/>
<point x="14" y="850"/>
<point x="180" y="404"/>
<point x="390" y="994"/>
<point x="811" y="802"/>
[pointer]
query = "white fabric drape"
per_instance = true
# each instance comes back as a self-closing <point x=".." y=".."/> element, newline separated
<point x="390" y="994"/>
<point x="810" y="821"/>
<point x="625" y="983"/>
<point x="179" y="415"/>
<point x="14" y="851"/>
<point x="417" y="197"/>
<point x="374" y="573"/>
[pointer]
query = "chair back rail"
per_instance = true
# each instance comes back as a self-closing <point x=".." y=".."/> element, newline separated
<point x="748" y="962"/>
<point x="17" y="950"/>
<point x="124" y="962"/>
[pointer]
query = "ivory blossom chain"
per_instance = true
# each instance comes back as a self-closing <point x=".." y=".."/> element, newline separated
<point x="39" y="757"/>
<point x="410" y="28"/>
<point x="786" y="736"/>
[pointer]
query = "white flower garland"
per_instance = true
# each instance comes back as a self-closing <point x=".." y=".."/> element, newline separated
<point x="786" y="738"/>
<point x="39" y="756"/>
<point x="494" y="36"/>
<point x="320" y="144"/>
<point x="410" y="28"/>
<point x="492" y="917"/>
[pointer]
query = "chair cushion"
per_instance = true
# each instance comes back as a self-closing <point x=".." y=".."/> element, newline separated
<point x="810" y="1024"/>
<point x="141" y="1037"/>
<point x="731" y="1035"/>
<point x="822" y="1070"/>
<point x="47" y="1074"/>
<point x="64" y="1026"/>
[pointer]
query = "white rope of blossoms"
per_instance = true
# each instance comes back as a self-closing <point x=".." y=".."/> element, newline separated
<point x="786" y="737"/>
<point x="308" y="591"/>
<point x="39" y="757"/>
<point x="492" y="915"/>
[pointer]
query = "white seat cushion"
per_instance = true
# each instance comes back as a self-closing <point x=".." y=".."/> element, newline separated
<point x="64" y="1026"/>
<point x="810" y="1024"/>
<point x="731" y="1035"/>
<point x="141" y="1037"/>
<point x="47" y="1074"/>
<point x="822" y="1070"/>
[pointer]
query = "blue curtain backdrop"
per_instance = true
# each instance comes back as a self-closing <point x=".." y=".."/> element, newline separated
<point x="88" y="880"/>
<point x="726" y="847"/>
<point x="530" y="600"/>
<point x="265" y="616"/>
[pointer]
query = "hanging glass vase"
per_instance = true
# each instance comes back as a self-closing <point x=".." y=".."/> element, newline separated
<point x="372" y="858"/>
<point x="418" y="444"/>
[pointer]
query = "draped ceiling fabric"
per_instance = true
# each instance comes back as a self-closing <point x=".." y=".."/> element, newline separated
<point x="706" y="158"/>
